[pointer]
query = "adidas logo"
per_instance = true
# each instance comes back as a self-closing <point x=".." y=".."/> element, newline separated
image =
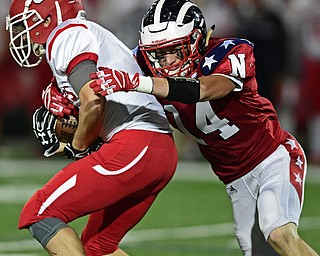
<point x="232" y="190"/>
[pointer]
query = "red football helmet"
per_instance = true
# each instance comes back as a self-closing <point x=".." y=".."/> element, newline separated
<point x="27" y="23"/>
<point x="173" y="24"/>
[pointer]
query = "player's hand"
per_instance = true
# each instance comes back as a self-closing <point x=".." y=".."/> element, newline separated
<point x="55" y="102"/>
<point x="107" y="81"/>
<point x="43" y="127"/>
<point x="71" y="153"/>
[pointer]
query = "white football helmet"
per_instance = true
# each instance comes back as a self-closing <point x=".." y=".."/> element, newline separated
<point x="173" y="23"/>
<point x="28" y="27"/>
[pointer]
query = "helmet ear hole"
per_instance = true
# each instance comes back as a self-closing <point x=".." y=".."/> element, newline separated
<point x="47" y="21"/>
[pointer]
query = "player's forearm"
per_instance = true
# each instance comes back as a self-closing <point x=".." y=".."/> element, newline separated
<point x="86" y="133"/>
<point x="160" y="87"/>
<point x="189" y="90"/>
<point x="181" y="89"/>
<point x="90" y="119"/>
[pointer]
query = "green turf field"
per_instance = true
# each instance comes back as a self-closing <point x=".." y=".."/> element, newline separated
<point x="192" y="216"/>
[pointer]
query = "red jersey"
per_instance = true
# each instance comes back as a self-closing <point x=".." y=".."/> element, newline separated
<point x="234" y="133"/>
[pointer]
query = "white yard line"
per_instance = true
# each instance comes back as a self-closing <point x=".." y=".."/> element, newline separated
<point x="194" y="232"/>
<point x="182" y="233"/>
<point x="17" y="193"/>
<point x="186" y="170"/>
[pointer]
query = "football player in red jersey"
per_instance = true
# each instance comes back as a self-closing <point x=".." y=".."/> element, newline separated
<point x="117" y="183"/>
<point x="208" y="89"/>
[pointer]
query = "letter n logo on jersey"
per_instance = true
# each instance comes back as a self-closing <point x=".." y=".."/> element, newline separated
<point x="238" y="65"/>
<point x="217" y="55"/>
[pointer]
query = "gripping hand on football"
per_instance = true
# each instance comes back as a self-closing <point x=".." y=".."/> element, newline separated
<point x="43" y="124"/>
<point x="107" y="81"/>
<point x="71" y="153"/>
<point x="55" y="102"/>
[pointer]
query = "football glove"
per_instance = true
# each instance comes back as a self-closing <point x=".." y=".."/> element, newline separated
<point x="71" y="153"/>
<point x="107" y="81"/>
<point x="43" y="123"/>
<point x="56" y="103"/>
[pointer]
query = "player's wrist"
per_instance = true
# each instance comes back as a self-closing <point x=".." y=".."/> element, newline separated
<point x="183" y="89"/>
<point x="71" y="153"/>
<point x="145" y="85"/>
<point x="61" y="147"/>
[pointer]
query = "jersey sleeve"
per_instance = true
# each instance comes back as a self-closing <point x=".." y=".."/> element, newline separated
<point x="232" y="58"/>
<point x="69" y="46"/>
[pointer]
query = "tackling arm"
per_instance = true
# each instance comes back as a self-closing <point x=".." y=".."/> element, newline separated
<point x="186" y="90"/>
<point x="189" y="90"/>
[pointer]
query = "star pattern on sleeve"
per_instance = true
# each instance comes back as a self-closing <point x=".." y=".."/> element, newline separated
<point x="292" y="143"/>
<point x="226" y="43"/>
<point x="298" y="178"/>
<point x="299" y="162"/>
<point x="217" y="54"/>
<point x="209" y="61"/>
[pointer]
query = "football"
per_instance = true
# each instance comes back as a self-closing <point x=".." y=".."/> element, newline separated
<point x="65" y="128"/>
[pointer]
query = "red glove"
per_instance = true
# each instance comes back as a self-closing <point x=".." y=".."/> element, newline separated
<point x="107" y="81"/>
<point x="55" y="102"/>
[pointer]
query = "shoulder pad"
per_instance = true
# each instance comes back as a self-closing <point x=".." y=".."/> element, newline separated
<point x="216" y="54"/>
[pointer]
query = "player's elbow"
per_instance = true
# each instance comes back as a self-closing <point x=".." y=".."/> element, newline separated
<point x="211" y="93"/>
<point x="91" y="102"/>
<point x="214" y="87"/>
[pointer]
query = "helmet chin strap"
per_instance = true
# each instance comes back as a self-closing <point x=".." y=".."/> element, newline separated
<point x="59" y="15"/>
